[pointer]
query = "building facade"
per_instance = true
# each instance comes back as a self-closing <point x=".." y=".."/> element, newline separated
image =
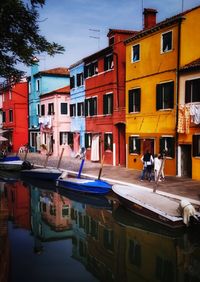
<point x="15" y="114"/>
<point x="153" y="60"/>
<point x="42" y="82"/>
<point x="55" y="121"/>
<point x="77" y="105"/>
<point x="105" y="101"/>
<point x="189" y="121"/>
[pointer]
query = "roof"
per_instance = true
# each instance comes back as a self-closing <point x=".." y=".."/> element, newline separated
<point x="194" y="65"/>
<point x="102" y="52"/>
<point x="121" y="31"/>
<point x="56" y="71"/>
<point x="63" y="90"/>
<point x="76" y="64"/>
<point x="166" y="22"/>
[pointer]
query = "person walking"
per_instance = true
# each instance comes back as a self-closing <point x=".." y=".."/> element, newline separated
<point x="147" y="160"/>
<point x="157" y="167"/>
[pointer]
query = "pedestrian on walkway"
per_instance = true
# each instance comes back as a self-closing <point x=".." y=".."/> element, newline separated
<point x="162" y="174"/>
<point x="157" y="166"/>
<point x="147" y="160"/>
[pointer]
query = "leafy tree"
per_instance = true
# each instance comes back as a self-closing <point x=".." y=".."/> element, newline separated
<point x="20" y="38"/>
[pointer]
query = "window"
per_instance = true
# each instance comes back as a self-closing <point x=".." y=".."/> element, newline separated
<point x="42" y="110"/>
<point x="111" y="40"/>
<point x="134" y="253"/>
<point x="33" y="139"/>
<point x="66" y="138"/>
<point x="91" y="106"/>
<point x="79" y="79"/>
<point x="164" y="269"/>
<point x="38" y="109"/>
<point x="10" y="115"/>
<point x="64" y="108"/>
<point x="108" y="62"/>
<point x="65" y="210"/>
<point x="4" y="117"/>
<point x="108" y="239"/>
<point x="88" y="140"/>
<point x="51" y="109"/>
<point x="167" y="146"/>
<point x="134" y="100"/>
<point x="196" y="145"/>
<point x="136" y="53"/>
<point x="80" y="109"/>
<point x="134" y="145"/>
<point x="165" y="95"/>
<point x="37" y="85"/>
<point x="72" y="110"/>
<point x="91" y="69"/>
<point x="166" y="41"/>
<point x="108" y="141"/>
<point x="108" y="104"/>
<point x="192" y="90"/>
<point x="72" y="82"/>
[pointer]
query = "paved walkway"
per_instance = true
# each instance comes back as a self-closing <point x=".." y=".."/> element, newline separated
<point x="174" y="187"/>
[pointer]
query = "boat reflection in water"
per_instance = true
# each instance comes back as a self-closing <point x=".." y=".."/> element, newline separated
<point x="79" y="240"/>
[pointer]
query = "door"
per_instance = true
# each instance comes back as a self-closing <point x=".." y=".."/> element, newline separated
<point x="186" y="161"/>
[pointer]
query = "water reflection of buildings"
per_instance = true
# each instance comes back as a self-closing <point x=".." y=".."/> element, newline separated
<point x="18" y="200"/>
<point x="4" y="242"/>
<point x="113" y="245"/>
<point x="113" y="250"/>
<point x="50" y="217"/>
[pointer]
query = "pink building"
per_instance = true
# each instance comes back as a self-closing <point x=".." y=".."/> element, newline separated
<point x="55" y="122"/>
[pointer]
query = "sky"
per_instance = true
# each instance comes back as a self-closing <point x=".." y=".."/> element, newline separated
<point x="81" y="26"/>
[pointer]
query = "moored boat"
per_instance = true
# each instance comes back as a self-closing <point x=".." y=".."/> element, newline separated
<point x="85" y="185"/>
<point x="42" y="173"/>
<point x="11" y="163"/>
<point x="151" y="206"/>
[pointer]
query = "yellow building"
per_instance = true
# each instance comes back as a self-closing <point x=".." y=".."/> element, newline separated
<point x="189" y="121"/>
<point x="153" y="59"/>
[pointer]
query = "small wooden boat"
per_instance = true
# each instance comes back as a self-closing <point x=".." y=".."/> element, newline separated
<point x="12" y="163"/>
<point x="128" y="219"/>
<point x="42" y="173"/>
<point x="150" y="205"/>
<point x="85" y="185"/>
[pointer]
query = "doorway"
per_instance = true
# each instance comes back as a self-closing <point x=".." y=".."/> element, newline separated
<point x="186" y="161"/>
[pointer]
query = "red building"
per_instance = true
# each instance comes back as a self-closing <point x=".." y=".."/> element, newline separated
<point x="18" y="200"/>
<point x="15" y="114"/>
<point x="105" y="101"/>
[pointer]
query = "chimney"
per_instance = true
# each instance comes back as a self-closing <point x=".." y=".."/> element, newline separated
<point x="149" y="18"/>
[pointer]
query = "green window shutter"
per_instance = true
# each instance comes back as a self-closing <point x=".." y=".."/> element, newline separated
<point x="104" y="104"/>
<point x="130" y="101"/>
<point x="187" y="91"/>
<point x="130" y="144"/>
<point x="158" y="97"/>
<point x="137" y="99"/>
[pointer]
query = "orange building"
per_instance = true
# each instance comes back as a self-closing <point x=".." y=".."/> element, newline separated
<point x="154" y="57"/>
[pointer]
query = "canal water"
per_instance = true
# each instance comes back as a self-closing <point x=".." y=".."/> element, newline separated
<point x="57" y="236"/>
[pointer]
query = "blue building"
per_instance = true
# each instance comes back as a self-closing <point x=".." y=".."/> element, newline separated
<point x="77" y="113"/>
<point x="42" y="82"/>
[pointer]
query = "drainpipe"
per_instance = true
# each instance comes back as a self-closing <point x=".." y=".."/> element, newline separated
<point x="177" y="89"/>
